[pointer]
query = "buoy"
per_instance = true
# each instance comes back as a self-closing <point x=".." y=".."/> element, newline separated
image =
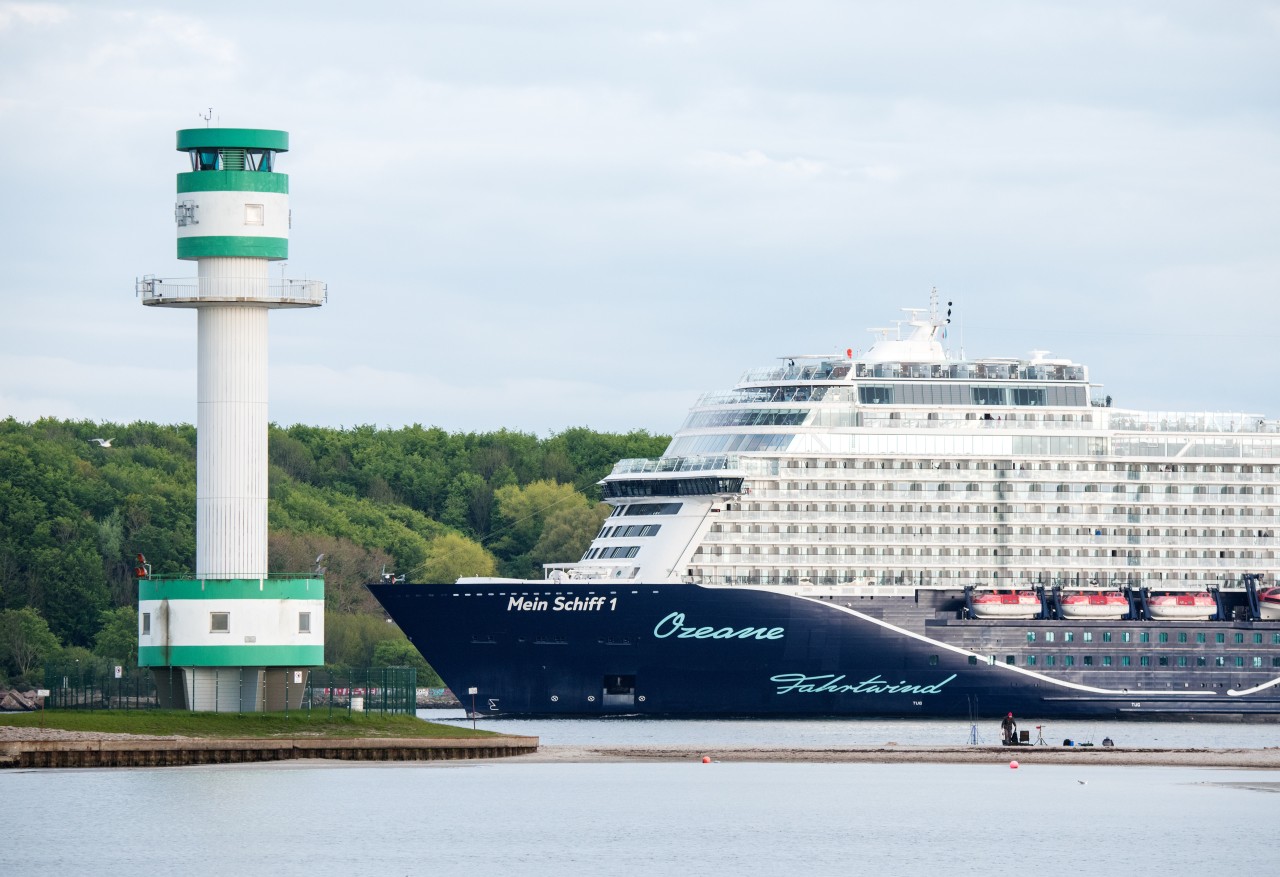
<point x="1013" y="765"/>
<point x="706" y="759"/>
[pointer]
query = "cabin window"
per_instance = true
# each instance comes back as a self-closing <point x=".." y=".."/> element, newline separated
<point x="1164" y="637"/>
<point x="1182" y="636"/>
<point x="1048" y="660"/>
<point x="219" y="622"/>
<point x="1125" y="661"/>
<point x="1068" y="660"/>
<point x="1106" y="636"/>
<point x="1239" y="638"/>
<point x="1048" y="636"/>
<point x="1220" y="638"/>
<point x="933" y="660"/>
<point x="1239" y="661"/>
<point x="1031" y="636"/>
<point x="1031" y="660"/>
<point x="1087" y="636"/>
<point x="1106" y="660"/>
<point x="1199" y="637"/>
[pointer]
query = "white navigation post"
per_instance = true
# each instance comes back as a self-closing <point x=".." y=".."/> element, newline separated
<point x="232" y="637"/>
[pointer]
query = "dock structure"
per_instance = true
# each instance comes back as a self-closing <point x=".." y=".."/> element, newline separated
<point x="168" y="752"/>
<point x="231" y="637"/>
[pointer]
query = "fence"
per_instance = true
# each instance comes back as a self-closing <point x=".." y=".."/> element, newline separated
<point x="380" y="690"/>
<point x="98" y="686"/>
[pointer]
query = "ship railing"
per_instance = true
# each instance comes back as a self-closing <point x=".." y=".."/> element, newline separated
<point x="1106" y="479"/>
<point x="1143" y="501"/>
<point x="706" y="463"/>
<point x="1003" y="540"/>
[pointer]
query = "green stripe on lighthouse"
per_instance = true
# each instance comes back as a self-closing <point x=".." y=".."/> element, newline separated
<point x="258" y="248"/>
<point x="233" y="181"/>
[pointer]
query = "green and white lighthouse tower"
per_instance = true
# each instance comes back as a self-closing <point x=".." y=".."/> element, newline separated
<point x="232" y="637"/>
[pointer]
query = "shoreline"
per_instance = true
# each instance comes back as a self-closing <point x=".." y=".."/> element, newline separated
<point x="1251" y="759"/>
<point x="33" y="748"/>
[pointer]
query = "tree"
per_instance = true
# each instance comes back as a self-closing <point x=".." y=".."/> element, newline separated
<point x="453" y="556"/>
<point x="568" y="532"/>
<point x="25" y="639"/>
<point x="118" y="636"/>
<point x="401" y="653"/>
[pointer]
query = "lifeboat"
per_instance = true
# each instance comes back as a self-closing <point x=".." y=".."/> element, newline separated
<point x="1101" y="606"/>
<point x="1017" y="604"/>
<point x="1199" y="606"/>
<point x="1269" y="603"/>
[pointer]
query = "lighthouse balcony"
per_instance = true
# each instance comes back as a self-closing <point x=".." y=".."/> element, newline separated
<point x="197" y="291"/>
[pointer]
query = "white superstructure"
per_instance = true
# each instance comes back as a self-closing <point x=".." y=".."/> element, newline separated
<point x="906" y="466"/>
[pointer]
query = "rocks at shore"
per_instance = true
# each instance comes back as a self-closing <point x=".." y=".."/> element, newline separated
<point x="15" y="701"/>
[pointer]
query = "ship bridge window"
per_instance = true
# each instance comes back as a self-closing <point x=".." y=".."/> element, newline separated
<point x="988" y="395"/>
<point x="875" y="395"/>
<point x="1028" y="396"/>
<point x="653" y="508"/>
<point x="704" y="486"/>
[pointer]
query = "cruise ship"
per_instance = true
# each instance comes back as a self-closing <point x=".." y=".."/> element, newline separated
<point x="899" y="532"/>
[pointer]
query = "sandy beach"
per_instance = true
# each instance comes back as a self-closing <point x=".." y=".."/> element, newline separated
<point x="1252" y="759"/>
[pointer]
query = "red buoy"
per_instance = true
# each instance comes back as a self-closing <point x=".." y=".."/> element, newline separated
<point x="1013" y="765"/>
<point x="706" y="759"/>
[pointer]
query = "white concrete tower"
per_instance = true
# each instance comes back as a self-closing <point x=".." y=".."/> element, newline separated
<point x="233" y="220"/>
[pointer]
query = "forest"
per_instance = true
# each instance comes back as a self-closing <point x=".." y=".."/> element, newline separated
<point x="415" y="501"/>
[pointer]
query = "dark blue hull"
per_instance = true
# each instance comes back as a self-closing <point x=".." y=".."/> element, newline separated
<point x="688" y="650"/>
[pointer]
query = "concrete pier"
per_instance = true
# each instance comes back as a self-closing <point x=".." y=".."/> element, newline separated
<point x="169" y="752"/>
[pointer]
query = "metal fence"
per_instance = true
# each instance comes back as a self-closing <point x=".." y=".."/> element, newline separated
<point x="93" y="686"/>
<point x="381" y="690"/>
<point x="98" y="686"/>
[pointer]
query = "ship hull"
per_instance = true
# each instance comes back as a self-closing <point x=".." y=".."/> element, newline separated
<point x="691" y="650"/>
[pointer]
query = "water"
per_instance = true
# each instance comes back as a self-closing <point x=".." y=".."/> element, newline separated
<point x="825" y="733"/>
<point x="514" y="818"/>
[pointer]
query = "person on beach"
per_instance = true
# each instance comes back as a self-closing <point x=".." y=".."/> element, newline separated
<point x="1009" y="730"/>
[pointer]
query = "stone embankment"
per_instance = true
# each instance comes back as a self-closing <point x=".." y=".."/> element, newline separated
<point x="33" y="747"/>
<point x="18" y="701"/>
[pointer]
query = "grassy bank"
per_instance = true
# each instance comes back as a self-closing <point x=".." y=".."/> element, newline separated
<point x="167" y="723"/>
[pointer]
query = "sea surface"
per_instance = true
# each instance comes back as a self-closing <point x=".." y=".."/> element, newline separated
<point x="505" y="818"/>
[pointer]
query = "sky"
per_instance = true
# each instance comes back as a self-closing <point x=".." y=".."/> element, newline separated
<point x="537" y="216"/>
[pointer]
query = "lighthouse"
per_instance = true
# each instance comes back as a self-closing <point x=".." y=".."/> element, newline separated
<point x="232" y="638"/>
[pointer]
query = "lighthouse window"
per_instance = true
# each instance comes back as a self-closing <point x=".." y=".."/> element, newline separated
<point x="219" y="622"/>
<point x="146" y="624"/>
<point x="304" y="622"/>
<point x="253" y="214"/>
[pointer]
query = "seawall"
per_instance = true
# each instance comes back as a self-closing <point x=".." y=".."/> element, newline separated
<point x="171" y="752"/>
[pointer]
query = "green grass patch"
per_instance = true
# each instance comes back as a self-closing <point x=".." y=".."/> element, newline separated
<point x="165" y="723"/>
